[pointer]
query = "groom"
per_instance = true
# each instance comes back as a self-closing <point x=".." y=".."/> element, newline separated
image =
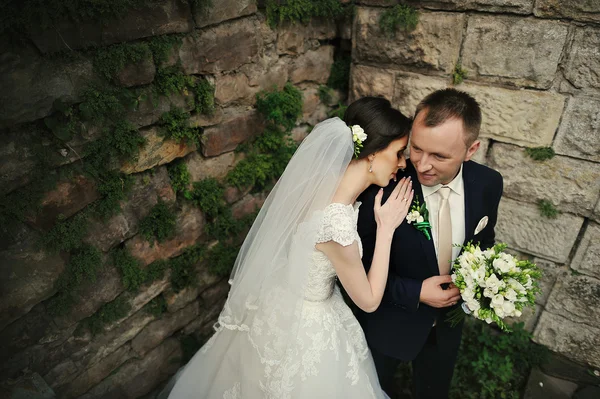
<point x="462" y="198"/>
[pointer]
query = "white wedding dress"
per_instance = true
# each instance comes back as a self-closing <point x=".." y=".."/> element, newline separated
<point x="327" y="357"/>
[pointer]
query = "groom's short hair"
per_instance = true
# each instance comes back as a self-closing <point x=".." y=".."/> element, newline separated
<point x="445" y="104"/>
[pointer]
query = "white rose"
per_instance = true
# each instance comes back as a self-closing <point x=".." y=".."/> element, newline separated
<point x="492" y="282"/>
<point x="511" y="295"/>
<point x="508" y="307"/>
<point x="488" y="292"/>
<point x="358" y="133"/>
<point x="499" y="312"/>
<point x="420" y="219"/>
<point x="497" y="301"/>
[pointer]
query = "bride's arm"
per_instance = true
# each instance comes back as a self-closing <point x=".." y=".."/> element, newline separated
<point x="366" y="289"/>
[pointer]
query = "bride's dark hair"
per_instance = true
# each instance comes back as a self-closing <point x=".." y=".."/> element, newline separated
<point x="382" y="123"/>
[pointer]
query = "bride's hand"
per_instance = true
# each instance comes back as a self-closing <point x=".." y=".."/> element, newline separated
<point x="391" y="214"/>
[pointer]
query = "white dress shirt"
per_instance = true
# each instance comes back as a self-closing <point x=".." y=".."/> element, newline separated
<point x="456" y="200"/>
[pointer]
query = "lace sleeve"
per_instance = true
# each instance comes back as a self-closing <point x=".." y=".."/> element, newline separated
<point x="338" y="225"/>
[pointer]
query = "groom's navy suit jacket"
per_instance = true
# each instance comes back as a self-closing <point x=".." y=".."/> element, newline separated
<point x="401" y="324"/>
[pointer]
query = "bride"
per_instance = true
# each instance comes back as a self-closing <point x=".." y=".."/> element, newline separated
<point x="285" y="330"/>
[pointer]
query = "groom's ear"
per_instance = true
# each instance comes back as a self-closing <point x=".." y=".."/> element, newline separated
<point x="472" y="150"/>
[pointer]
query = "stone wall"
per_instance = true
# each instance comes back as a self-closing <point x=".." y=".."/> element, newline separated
<point x="231" y="46"/>
<point x="533" y="66"/>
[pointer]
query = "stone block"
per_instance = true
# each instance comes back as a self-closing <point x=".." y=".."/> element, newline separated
<point x="138" y="377"/>
<point x="312" y="66"/>
<point x="148" y="188"/>
<point x="234" y="88"/>
<point x="587" y="257"/>
<point x="222" y="11"/>
<point x="154" y="333"/>
<point x="434" y="45"/>
<point x="201" y="168"/>
<point x="571" y="185"/>
<point x="491" y="44"/>
<point x="27" y="276"/>
<point x="576" y="298"/>
<point x="138" y="74"/>
<point x="521" y="226"/>
<point x="238" y="127"/>
<point x="189" y="228"/>
<point x="542" y="386"/>
<point x="584" y="10"/>
<point x="579" y="342"/>
<point x="551" y="272"/>
<point x="481" y="155"/>
<point x="157" y="151"/>
<point x="582" y="66"/>
<point x="31" y="83"/>
<point x="225" y="47"/>
<point x="579" y="132"/>
<point x="371" y="81"/>
<point x="496" y="6"/>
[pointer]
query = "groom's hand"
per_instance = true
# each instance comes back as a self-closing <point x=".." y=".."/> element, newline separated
<point x="434" y="295"/>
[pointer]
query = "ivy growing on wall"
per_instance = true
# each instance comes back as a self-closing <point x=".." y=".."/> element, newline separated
<point x="302" y="11"/>
<point x="400" y="17"/>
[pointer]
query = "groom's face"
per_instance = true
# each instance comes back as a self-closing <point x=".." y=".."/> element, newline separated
<point x="437" y="152"/>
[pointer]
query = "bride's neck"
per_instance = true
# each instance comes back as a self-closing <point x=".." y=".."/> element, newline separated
<point x="354" y="182"/>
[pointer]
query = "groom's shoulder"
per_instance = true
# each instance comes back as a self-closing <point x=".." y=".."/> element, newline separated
<point x="483" y="172"/>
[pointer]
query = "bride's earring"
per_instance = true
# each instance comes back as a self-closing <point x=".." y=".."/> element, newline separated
<point x="371" y="165"/>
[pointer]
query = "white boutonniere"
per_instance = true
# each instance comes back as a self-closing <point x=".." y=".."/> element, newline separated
<point x="419" y="217"/>
<point x="358" y="137"/>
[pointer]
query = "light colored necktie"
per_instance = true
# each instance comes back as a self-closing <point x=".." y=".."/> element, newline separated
<point x="444" y="228"/>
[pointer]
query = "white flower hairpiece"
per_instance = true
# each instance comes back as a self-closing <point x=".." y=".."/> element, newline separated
<point x="358" y="137"/>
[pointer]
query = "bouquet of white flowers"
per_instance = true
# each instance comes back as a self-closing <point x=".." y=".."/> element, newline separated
<point x="493" y="284"/>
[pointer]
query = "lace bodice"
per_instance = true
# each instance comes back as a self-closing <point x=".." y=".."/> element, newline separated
<point x="339" y="225"/>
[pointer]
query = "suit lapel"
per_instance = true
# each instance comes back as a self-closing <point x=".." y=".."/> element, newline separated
<point x="426" y="244"/>
<point x="470" y="194"/>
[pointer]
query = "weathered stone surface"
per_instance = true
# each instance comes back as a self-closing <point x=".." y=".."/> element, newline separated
<point x="299" y="133"/>
<point x="371" y="81"/>
<point x="27" y="276"/>
<point x="492" y="42"/>
<point x="157" y="151"/>
<point x="541" y="385"/>
<point x="155" y="332"/>
<point x="313" y="110"/>
<point x="147" y="190"/>
<point x="234" y="88"/>
<point x="522" y="117"/>
<point x="267" y="72"/>
<point x="30" y="83"/>
<point x="596" y="214"/>
<point x="225" y="137"/>
<point x="521" y="226"/>
<point x="153" y="107"/>
<point x="225" y="47"/>
<point x="312" y="66"/>
<point x="434" y="45"/>
<point x="582" y="67"/>
<point x="481" y="154"/>
<point x="247" y="205"/>
<point x="587" y="257"/>
<point x="222" y="11"/>
<point x="410" y="89"/>
<point x="92" y="376"/>
<point x="580" y="342"/>
<point x="24" y="332"/>
<point x="571" y="185"/>
<point x="203" y="120"/>
<point x="140" y="73"/>
<point x="201" y="168"/>
<point x="69" y="197"/>
<point x="504" y="6"/>
<point x="32" y="385"/>
<point x="189" y="228"/>
<point x="233" y="194"/>
<point x="292" y="37"/>
<point x="91" y="295"/>
<point x="153" y="19"/>
<point x="579" y="132"/>
<point x="138" y="377"/>
<point x="576" y="298"/>
<point x="551" y="272"/>
<point x="583" y="10"/>
<point x="177" y="300"/>
<point x="560" y="366"/>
